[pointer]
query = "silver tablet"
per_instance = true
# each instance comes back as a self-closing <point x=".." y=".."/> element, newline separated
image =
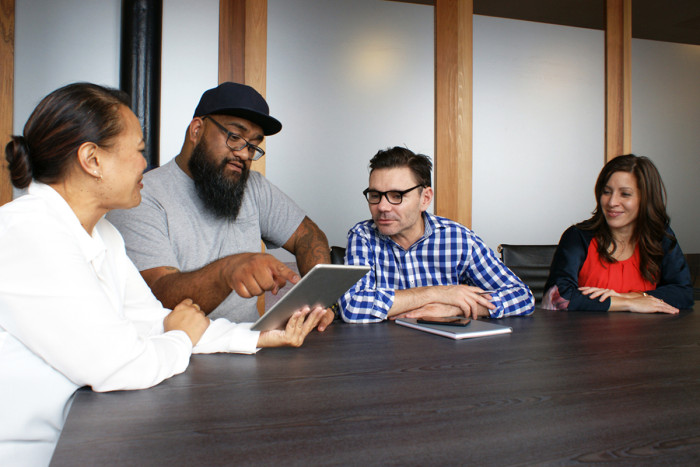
<point x="323" y="285"/>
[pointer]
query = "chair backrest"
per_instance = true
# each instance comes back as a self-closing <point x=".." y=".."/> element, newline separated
<point x="530" y="263"/>
<point x="693" y="260"/>
<point x="337" y="255"/>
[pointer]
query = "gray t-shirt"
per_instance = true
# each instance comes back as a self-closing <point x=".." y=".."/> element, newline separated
<point x="172" y="227"/>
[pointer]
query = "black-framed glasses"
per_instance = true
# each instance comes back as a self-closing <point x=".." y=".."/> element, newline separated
<point x="393" y="196"/>
<point x="237" y="142"/>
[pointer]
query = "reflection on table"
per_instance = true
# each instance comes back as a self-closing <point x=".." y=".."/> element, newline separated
<point x="563" y="388"/>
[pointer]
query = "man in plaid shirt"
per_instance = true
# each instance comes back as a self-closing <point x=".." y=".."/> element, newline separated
<point x="422" y="265"/>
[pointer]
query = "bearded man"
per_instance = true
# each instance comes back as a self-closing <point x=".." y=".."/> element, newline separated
<point x="197" y="232"/>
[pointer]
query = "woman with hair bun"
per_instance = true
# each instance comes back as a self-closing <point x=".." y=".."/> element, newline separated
<point x="625" y="257"/>
<point x="74" y="310"/>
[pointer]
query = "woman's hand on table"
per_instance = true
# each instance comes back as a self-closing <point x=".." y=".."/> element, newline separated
<point x="636" y="302"/>
<point x="645" y="303"/>
<point x="599" y="293"/>
<point x="188" y="317"/>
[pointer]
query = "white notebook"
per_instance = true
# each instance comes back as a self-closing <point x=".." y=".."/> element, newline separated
<point x="475" y="328"/>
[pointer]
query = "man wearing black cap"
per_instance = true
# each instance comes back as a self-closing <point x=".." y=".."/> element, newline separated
<point x="196" y="233"/>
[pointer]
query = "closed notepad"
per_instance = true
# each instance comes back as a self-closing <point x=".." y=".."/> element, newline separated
<point x="475" y="328"/>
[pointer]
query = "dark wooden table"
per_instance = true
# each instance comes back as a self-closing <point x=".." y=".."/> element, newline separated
<point x="564" y="388"/>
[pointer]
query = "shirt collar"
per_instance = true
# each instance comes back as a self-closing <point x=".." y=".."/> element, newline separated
<point x="431" y="223"/>
<point x="92" y="246"/>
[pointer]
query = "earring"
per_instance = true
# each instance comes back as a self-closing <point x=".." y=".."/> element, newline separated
<point x="98" y="176"/>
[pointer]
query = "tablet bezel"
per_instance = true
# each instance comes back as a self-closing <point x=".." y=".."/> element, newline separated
<point x="323" y="285"/>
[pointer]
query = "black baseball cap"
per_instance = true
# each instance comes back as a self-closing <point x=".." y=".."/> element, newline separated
<point x="238" y="100"/>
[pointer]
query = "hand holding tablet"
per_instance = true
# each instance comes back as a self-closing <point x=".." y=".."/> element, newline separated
<point x="297" y="328"/>
<point x="322" y="286"/>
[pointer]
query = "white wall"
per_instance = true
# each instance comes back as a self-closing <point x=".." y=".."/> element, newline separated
<point x="345" y="79"/>
<point x="538" y="128"/>
<point x="57" y="43"/>
<point x="666" y="127"/>
<point x="190" y="66"/>
<point x="349" y="78"/>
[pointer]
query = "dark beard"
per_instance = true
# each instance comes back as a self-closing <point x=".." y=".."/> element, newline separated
<point x="221" y="195"/>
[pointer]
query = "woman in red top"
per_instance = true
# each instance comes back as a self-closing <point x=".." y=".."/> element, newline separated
<point x="625" y="257"/>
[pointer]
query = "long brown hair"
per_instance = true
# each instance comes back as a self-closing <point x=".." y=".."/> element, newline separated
<point x="652" y="222"/>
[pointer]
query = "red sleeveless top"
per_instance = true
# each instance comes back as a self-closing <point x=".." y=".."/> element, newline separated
<point x="622" y="276"/>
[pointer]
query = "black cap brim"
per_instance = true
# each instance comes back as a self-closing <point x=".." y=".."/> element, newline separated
<point x="269" y="125"/>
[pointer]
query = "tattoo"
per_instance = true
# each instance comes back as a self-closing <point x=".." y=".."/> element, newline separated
<point x="310" y="246"/>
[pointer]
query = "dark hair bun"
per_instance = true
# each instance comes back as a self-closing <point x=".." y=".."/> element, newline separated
<point x="17" y="155"/>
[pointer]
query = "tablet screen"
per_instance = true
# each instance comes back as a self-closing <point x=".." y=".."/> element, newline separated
<point x="323" y="285"/>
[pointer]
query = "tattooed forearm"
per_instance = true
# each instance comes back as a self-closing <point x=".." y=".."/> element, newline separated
<point x="310" y="246"/>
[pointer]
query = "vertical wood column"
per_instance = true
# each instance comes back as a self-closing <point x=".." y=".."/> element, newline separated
<point x="453" y="109"/>
<point x="7" y="67"/>
<point x="243" y="47"/>
<point x="618" y="72"/>
<point x="243" y="56"/>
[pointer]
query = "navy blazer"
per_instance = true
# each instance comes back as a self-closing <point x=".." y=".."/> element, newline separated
<point x="674" y="285"/>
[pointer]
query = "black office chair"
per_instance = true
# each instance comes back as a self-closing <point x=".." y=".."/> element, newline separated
<point x="337" y="255"/>
<point x="530" y="263"/>
<point x="693" y="260"/>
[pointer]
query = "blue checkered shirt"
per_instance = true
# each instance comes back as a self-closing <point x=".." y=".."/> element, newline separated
<point x="447" y="254"/>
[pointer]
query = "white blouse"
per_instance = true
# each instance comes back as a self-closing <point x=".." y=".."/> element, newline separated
<point x="74" y="311"/>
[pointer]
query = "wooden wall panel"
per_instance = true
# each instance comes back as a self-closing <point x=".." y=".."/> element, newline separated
<point x="231" y="40"/>
<point x="243" y="56"/>
<point x="618" y="72"/>
<point x="256" y="44"/>
<point x="453" y="109"/>
<point x="7" y="66"/>
<point x="243" y="47"/>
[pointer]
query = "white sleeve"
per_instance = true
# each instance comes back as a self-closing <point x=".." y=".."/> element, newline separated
<point x="55" y="303"/>
<point x="146" y="312"/>
<point x="225" y="336"/>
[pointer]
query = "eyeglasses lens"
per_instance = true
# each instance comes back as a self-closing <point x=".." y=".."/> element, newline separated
<point x="236" y="143"/>
<point x="375" y="197"/>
